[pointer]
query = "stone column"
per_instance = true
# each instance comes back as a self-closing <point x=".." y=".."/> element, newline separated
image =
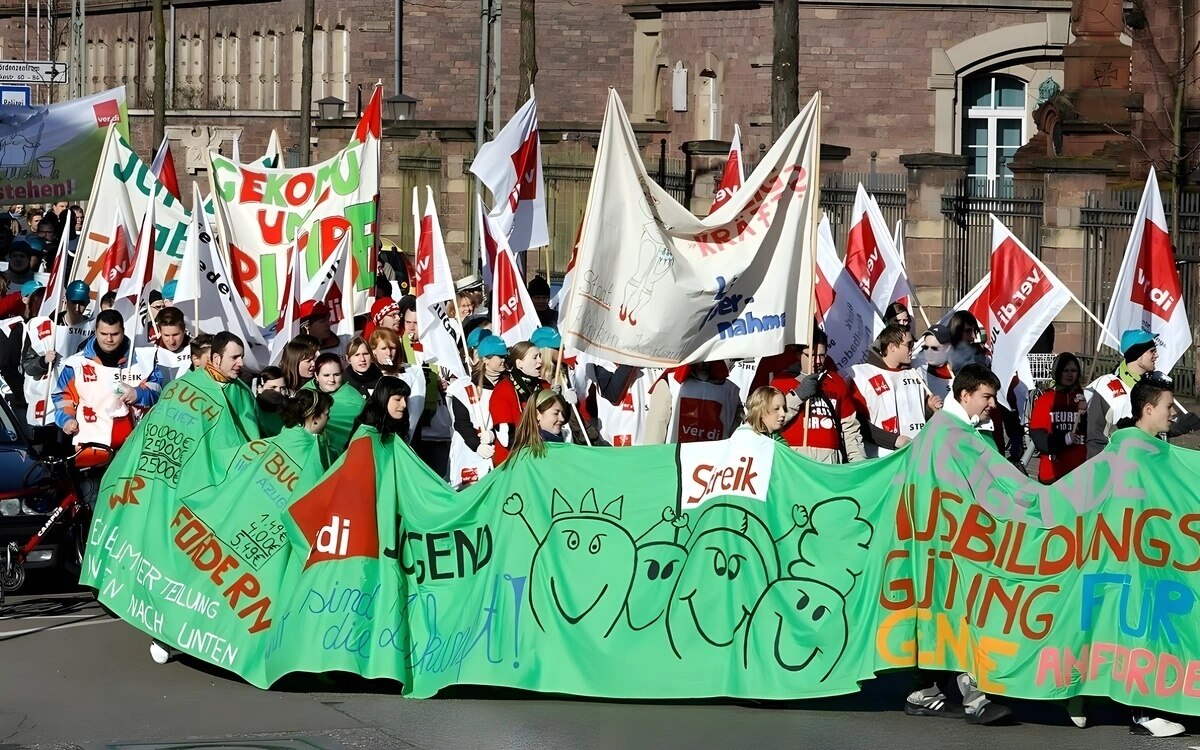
<point x="930" y="175"/>
<point x="1067" y="184"/>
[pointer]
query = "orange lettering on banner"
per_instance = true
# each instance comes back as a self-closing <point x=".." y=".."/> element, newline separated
<point x="204" y="550"/>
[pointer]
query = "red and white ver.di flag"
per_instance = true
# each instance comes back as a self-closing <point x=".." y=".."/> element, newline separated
<point x="1148" y="294"/>
<point x="1024" y="298"/>
<point x="847" y="317"/>
<point x="871" y="257"/>
<point x="511" y="167"/>
<point x="438" y="333"/>
<point x="513" y="316"/>
<point x="733" y="175"/>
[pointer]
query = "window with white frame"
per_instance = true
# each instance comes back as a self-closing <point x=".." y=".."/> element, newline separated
<point x="994" y="127"/>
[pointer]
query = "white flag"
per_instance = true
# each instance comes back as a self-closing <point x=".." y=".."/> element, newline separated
<point x="847" y="316"/>
<point x="205" y="282"/>
<point x="871" y="257"/>
<point x="659" y="287"/>
<point x="439" y="334"/>
<point x="316" y="288"/>
<point x="511" y="167"/>
<point x="1025" y="297"/>
<point x="132" y="289"/>
<point x="1148" y="295"/>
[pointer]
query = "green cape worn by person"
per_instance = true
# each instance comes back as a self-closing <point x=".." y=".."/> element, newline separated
<point x="347" y="405"/>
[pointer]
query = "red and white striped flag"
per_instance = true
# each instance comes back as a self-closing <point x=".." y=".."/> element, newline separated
<point x="733" y="175"/>
<point x="1024" y="298"/>
<point x="433" y="286"/>
<point x="1148" y="295"/>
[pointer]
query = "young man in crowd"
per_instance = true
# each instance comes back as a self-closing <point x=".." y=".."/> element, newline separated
<point x="201" y="350"/>
<point x="1108" y="395"/>
<point x="20" y="268"/>
<point x="174" y="344"/>
<point x="892" y="400"/>
<point x="822" y="422"/>
<point x="972" y="399"/>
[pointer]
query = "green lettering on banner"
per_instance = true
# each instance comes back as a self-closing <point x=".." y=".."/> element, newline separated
<point x="226" y="176"/>
<point x="363" y="220"/>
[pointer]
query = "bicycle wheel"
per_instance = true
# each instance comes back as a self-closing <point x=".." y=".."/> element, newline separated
<point x="12" y="574"/>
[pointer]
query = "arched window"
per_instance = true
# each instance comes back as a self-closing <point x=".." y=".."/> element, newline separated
<point x="993" y="126"/>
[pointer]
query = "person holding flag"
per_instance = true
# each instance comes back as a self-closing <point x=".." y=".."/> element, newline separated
<point x="510" y="394"/>
<point x="822" y="422"/>
<point x="474" y="443"/>
<point x="891" y="398"/>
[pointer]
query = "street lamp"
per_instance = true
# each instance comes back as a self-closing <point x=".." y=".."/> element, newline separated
<point x="400" y="107"/>
<point x="330" y="108"/>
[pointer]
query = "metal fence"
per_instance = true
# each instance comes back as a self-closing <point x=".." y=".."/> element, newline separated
<point x="967" y="208"/>
<point x="838" y="190"/>
<point x="1106" y="220"/>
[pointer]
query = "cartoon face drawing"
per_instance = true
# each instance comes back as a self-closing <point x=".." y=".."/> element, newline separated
<point x="799" y="625"/>
<point x="731" y="560"/>
<point x="658" y="567"/>
<point x="582" y="571"/>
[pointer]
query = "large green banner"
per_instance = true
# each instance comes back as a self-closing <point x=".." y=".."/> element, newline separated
<point x="715" y="569"/>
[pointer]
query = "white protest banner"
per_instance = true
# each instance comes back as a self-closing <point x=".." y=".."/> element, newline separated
<point x="51" y="153"/>
<point x="1148" y="295"/>
<point x="204" y="281"/>
<point x="847" y="316"/>
<point x="656" y="286"/>
<point x="1025" y="297"/>
<point x="510" y="165"/>
<point x="124" y="187"/>
<point x="261" y="212"/>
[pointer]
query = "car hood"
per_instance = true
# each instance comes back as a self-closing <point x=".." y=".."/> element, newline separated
<point x="19" y="470"/>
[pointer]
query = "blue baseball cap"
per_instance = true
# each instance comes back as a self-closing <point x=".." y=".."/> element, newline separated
<point x="492" y="346"/>
<point x="477" y="335"/>
<point x="29" y="288"/>
<point x="168" y="291"/>
<point x="546" y="338"/>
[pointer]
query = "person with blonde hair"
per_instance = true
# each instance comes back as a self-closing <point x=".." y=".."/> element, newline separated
<point x="766" y="412"/>
<point x="541" y="423"/>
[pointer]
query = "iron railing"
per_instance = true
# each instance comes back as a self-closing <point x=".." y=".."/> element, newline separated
<point x="967" y="208"/>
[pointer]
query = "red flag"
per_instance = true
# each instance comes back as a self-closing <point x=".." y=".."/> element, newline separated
<point x="163" y="168"/>
<point x="732" y="175"/>
<point x="371" y="123"/>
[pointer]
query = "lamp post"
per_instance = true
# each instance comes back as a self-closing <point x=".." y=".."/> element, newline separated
<point x="330" y="108"/>
<point x="400" y="107"/>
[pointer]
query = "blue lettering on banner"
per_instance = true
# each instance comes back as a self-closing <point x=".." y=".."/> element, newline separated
<point x="751" y="324"/>
<point x="1160" y="601"/>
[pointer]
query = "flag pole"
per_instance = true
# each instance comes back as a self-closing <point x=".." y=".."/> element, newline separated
<point x="812" y="266"/>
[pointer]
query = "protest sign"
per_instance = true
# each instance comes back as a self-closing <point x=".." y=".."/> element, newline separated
<point x="262" y="211"/>
<point x="51" y="153"/>
<point x="733" y="568"/>
<point x="656" y="286"/>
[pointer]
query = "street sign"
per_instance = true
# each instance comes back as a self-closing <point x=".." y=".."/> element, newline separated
<point x="15" y="96"/>
<point x="32" y="71"/>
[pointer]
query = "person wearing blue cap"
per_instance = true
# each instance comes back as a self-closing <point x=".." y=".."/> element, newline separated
<point x="549" y="340"/>
<point x="1108" y="395"/>
<point x="168" y="292"/>
<point x="473" y="443"/>
<point x="74" y="327"/>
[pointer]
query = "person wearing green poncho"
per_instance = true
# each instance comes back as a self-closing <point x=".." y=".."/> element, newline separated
<point x="222" y="375"/>
<point x="347" y="402"/>
<point x="270" y="395"/>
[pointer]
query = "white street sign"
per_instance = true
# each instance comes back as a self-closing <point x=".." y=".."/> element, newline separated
<point x="32" y="71"/>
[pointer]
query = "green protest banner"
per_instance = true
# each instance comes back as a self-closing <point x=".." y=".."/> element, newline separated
<point x="50" y="153"/>
<point x="734" y="568"/>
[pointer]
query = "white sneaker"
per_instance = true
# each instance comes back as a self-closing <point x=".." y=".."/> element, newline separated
<point x="1156" y="726"/>
<point x="159" y="653"/>
<point x="1076" y="712"/>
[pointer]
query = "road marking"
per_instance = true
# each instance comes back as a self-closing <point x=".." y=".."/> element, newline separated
<point x="49" y="617"/>
<point x="9" y="635"/>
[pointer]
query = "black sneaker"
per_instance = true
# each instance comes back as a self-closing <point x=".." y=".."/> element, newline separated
<point x="989" y="713"/>
<point x="921" y="705"/>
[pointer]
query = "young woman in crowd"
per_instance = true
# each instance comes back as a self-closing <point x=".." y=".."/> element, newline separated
<point x="1058" y="422"/>
<point x="766" y="412"/>
<point x="511" y="394"/>
<point x="270" y="394"/>
<point x="541" y="423"/>
<point x="896" y="313"/>
<point x="362" y="373"/>
<point x="473" y="444"/>
<point x="347" y="402"/>
<point x="386" y="411"/>
<point x="965" y="347"/>
<point x="383" y="344"/>
<point x="298" y="362"/>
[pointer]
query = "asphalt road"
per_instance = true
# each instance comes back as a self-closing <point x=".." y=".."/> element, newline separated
<point x="71" y="677"/>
